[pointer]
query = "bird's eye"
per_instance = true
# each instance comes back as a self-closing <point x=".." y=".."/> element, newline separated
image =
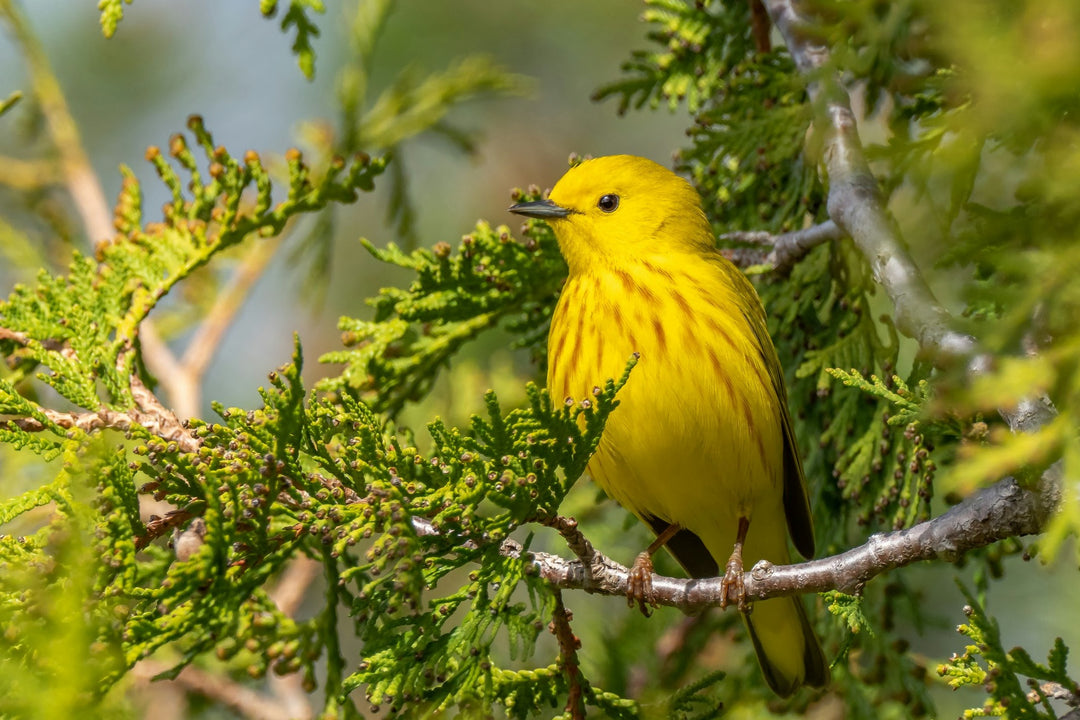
<point x="608" y="203"/>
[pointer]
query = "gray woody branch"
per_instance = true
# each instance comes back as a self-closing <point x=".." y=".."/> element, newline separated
<point x="858" y="210"/>
<point x="780" y="251"/>
<point x="1002" y="511"/>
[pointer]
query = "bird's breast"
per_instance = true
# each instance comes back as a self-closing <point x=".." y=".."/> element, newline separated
<point x="697" y="432"/>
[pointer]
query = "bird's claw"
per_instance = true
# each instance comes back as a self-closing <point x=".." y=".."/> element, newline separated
<point x="732" y="587"/>
<point x="639" y="587"/>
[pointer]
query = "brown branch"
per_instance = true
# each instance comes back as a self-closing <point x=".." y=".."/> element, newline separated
<point x="19" y="337"/>
<point x="148" y="413"/>
<point x="244" y="701"/>
<point x="294" y="582"/>
<point x="184" y="378"/>
<point x="760" y="26"/>
<point x="575" y="539"/>
<point x="87" y="422"/>
<point x="159" y="525"/>
<point x="568" y="647"/>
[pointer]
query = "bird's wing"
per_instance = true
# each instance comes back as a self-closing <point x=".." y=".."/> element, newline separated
<point x="796" y="500"/>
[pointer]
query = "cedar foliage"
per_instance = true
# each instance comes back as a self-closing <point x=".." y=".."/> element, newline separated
<point x="980" y="167"/>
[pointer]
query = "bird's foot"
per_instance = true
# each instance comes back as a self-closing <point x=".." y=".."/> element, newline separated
<point x="639" y="584"/>
<point x="732" y="587"/>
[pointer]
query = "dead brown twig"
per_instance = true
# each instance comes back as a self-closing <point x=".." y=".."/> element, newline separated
<point x="568" y="647"/>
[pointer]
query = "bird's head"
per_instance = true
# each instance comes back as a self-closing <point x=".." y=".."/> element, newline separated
<point x="621" y="207"/>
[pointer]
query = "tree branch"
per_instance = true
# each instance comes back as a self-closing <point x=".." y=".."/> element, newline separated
<point x="148" y="413"/>
<point x="780" y="251"/>
<point x="568" y="647"/>
<point x="855" y="203"/>
<point x="1004" y="510"/>
<point x="210" y="332"/>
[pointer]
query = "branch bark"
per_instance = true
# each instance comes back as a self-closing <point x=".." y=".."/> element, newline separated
<point x="568" y="647"/>
<point x="148" y="413"/>
<point x="1004" y="510"/>
<point x="780" y="251"/>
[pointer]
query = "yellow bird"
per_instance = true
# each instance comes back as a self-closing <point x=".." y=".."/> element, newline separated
<point x="701" y="447"/>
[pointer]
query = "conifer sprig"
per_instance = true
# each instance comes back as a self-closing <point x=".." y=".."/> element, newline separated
<point x="490" y="278"/>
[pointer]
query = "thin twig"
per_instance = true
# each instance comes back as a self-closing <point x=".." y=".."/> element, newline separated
<point x="159" y="525"/>
<point x="568" y="647"/>
<point x="780" y="251"/>
<point x="760" y="27"/>
<point x="575" y="539"/>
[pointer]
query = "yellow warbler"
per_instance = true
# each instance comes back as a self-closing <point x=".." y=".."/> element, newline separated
<point x="701" y="446"/>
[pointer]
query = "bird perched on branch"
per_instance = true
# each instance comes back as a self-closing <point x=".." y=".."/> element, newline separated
<point x="701" y="447"/>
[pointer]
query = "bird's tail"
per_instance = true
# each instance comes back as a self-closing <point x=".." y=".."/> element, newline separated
<point x="787" y="649"/>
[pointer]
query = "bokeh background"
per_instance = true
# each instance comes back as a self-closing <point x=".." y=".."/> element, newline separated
<point x="222" y="60"/>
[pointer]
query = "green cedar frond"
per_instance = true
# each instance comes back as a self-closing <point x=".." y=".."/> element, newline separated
<point x="908" y="405"/>
<point x="688" y="66"/>
<point x="112" y="12"/>
<point x="1001" y="673"/>
<point x="297" y="14"/>
<point x="80" y="328"/>
<point x="415" y="104"/>
<point x="489" y="278"/>
<point x="698" y="701"/>
<point x="412" y="106"/>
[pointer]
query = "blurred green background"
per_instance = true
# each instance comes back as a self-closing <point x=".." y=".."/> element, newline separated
<point x="221" y="60"/>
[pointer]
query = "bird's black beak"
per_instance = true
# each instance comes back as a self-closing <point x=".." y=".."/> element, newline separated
<point x="542" y="209"/>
